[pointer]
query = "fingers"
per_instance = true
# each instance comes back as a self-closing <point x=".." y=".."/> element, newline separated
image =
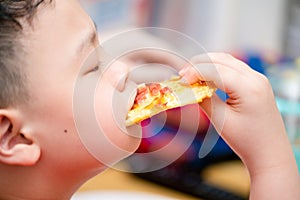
<point x="216" y="110"/>
<point x="228" y="73"/>
<point x="224" y="77"/>
<point x="223" y="59"/>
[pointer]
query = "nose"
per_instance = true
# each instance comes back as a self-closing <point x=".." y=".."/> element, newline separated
<point x="118" y="74"/>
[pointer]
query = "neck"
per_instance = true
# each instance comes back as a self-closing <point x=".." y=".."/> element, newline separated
<point x="28" y="183"/>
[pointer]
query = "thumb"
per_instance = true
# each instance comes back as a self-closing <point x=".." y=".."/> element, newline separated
<point x="216" y="110"/>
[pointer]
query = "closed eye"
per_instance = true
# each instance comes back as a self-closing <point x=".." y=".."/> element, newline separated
<point x="94" y="69"/>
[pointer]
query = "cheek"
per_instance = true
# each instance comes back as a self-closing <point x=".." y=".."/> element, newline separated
<point x="55" y="129"/>
<point x="111" y="112"/>
<point x="105" y="113"/>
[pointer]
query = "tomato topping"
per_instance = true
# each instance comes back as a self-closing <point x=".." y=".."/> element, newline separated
<point x="141" y="95"/>
<point x="165" y="90"/>
<point x="141" y="89"/>
<point x="139" y="100"/>
<point x="154" y="89"/>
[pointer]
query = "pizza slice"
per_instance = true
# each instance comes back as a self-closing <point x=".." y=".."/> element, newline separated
<point x="154" y="98"/>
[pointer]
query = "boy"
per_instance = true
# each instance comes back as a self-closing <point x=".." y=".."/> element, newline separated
<point x="41" y="154"/>
<point x="43" y="45"/>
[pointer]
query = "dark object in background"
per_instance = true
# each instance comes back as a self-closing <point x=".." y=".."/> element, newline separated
<point x="188" y="182"/>
<point x="184" y="174"/>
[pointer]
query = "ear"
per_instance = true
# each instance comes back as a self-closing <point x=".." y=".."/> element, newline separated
<point x="16" y="145"/>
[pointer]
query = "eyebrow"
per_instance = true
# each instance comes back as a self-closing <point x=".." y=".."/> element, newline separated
<point x="90" y="37"/>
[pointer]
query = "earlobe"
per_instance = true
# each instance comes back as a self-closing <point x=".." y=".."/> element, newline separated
<point x="16" y="146"/>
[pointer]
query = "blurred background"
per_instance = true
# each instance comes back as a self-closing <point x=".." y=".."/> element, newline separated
<point x="270" y="26"/>
<point x="264" y="34"/>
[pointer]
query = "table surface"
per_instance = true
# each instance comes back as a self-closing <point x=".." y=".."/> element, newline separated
<point x="229" y="175"/>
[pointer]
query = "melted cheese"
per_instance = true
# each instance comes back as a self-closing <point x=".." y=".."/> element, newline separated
<point x="182" y="94"/>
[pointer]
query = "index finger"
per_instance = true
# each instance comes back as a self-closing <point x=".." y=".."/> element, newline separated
<point x="223" y="59"/>
<point x="225" y="78"/>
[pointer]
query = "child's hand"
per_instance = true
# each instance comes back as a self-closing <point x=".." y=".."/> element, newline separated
<point x="248" y="121"/>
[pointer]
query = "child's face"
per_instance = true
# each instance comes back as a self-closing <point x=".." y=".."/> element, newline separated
<point x="63" y="37"/>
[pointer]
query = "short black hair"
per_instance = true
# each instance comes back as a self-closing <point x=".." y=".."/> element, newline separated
<point x="13" y="13"/>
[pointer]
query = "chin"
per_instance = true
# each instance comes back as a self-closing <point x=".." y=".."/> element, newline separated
<point x="126" y="142"/>
<point x="133" y="145"/>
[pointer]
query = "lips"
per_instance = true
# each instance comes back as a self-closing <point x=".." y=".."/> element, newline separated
<point x="132" y="97"/>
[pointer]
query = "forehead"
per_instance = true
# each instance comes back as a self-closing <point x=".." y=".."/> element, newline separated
<point x="57" y="29"/>
<point x="53" y="65"/>
<point x="64" y="13"/>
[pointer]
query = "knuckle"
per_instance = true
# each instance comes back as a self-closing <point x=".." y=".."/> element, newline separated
<point x="260" y="85"/>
